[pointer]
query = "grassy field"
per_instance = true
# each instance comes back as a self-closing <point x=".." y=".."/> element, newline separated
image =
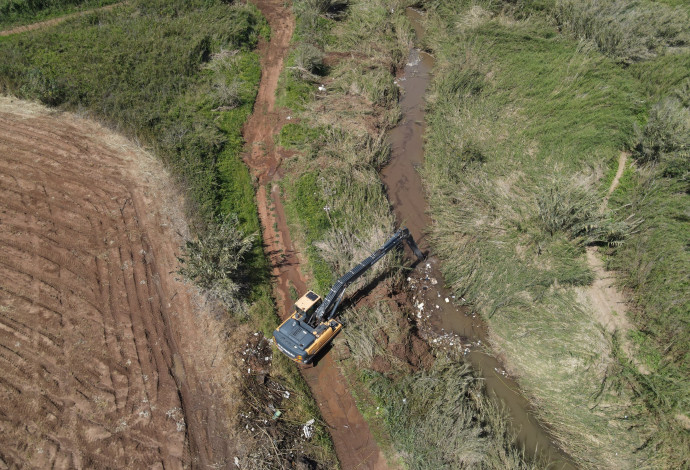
<point x="20" y="12"/>
<point x="180" y="78"/>
<point x="338" y="83"/>
<point x="530" y="107"/>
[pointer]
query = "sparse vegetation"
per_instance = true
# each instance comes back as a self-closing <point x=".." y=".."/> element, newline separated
<point x="530" y="122"/>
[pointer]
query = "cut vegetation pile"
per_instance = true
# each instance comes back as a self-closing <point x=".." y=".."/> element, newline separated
<point x="181" y="78"/>
<point x="339" y="86"/>
<point x="530" y="108"/>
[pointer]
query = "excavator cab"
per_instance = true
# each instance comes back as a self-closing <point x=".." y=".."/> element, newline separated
<point x="313" y="323"/>
<point x="297" y="338"/>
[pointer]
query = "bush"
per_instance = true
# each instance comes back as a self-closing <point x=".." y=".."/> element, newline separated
<point x="215" y="262"/>
<point x="308" y="61"/>
<point x="44" y="86"/>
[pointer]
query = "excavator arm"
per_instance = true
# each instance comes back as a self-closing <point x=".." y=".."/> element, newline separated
<point x="313" y="324"/>
<point x="329" y="307"/>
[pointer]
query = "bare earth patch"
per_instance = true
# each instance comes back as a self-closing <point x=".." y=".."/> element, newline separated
<point x="105" y="360"/>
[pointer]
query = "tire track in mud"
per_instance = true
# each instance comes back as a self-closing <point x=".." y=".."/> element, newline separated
<point x="354" y="443"/>
<point x="94" y="369"/>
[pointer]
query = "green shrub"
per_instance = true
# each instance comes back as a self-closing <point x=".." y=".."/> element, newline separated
<point x="215" y="262"/>
<point x="308" y="61"/>
<point x="298" y="136"/>
<point x="44" y="86"/>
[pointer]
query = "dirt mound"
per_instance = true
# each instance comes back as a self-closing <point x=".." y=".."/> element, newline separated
<point x="94" y="370"/>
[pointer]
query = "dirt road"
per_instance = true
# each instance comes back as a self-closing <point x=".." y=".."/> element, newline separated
<point x="353" y="441"/>
<point x="95" y="372"/>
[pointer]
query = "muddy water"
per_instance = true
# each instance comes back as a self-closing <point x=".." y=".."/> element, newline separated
<point x="433" y="302"/>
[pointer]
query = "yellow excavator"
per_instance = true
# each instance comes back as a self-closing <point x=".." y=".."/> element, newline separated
<point x="313" y="323"/>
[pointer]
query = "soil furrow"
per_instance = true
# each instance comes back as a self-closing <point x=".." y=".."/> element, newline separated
<point x="95" y="371"/>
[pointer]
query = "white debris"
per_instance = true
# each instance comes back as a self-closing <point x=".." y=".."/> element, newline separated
<point x="308" y="429"/>
<point x="447" y="300"/>
<point x="288" y="118"/>
<point x="428" y="266"/>
<point x="322" y="88"/>
<point x="286" y="394"/>
<point x="433" y="281"/>
<point x="237" y="462"/>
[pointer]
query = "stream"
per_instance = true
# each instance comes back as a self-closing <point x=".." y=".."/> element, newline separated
<point x="406" y="196"/>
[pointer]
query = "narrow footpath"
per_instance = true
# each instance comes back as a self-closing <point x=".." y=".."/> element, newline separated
<point x="354" y="443"/>
<point x="54" y="21"/>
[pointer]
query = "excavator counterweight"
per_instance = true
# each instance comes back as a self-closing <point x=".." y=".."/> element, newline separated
<point x="313" y="324"/>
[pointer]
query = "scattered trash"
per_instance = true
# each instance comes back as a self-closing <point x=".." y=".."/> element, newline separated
<point x="308" y="429"/>
<point x="447" y="300"/>
<point x="286" y="394"/>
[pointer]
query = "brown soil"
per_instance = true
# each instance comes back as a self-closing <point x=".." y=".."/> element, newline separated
<point x="105" y="362"/>
<point x="53" y="21"/>
<point x="355" y="446"/>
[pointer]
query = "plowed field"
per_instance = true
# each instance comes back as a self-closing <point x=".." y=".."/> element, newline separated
<point x="94" y="372"/>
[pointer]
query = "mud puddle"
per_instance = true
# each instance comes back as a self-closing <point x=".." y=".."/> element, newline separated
<point x="433" y="303"/>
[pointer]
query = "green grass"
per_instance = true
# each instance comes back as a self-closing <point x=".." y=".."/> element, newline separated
<point x="21" y="12"/>
<point x="525" y="128"/>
